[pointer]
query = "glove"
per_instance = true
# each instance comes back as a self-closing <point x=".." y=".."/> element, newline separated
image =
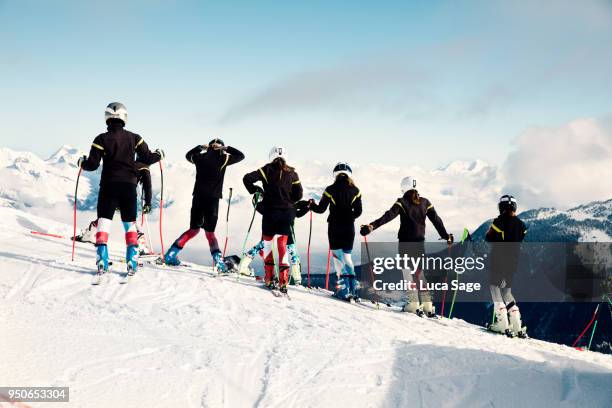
<point x="161" y="154"/>
<point x="450" y="239"/>
<point x="257" y="197"/>
<point x="366" y="229"/>
<point x="310" y="202"/>
<point x="146" y="209"/>
<point x="81" y="160"/>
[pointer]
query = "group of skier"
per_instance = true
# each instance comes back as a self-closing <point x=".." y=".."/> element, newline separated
<point x="278" y="196"/>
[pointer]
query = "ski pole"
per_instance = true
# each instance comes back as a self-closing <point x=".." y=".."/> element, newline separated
<point x="74" y="214"/>
<point x="365" y="241"/>
<point x="161" y="211"/>
<point x="587" y="327"/>
<point x="468" y="237"/>
<point x="229" y="204"/>
<point x="250" y="224"/>
<point x="308" y="248"/>
<point x="592" y="334"/>
<point x="327" y="269"/>
<point x="445" y="282"/>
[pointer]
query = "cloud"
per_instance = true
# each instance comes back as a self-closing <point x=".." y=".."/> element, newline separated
<point x="561" y="166"/>
<point x="383" y="84"/>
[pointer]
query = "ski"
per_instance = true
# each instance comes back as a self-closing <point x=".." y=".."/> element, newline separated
<point x="101" y="275"/>
<point x="127" y="276"/>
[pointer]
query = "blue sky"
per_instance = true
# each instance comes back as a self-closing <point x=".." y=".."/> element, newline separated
<point x="389" y="81"/>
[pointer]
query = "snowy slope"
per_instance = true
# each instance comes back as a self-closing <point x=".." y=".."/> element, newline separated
<point x="184" y="338"/>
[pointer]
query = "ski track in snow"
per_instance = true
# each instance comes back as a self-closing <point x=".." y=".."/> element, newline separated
<point x="182" y="337"/>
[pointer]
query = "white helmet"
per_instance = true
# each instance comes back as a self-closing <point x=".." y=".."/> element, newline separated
<point x="276" y="152"/>
<point x="408" y="183"/>
<point x="342" y="168"/>
<point x="116" y="110"/>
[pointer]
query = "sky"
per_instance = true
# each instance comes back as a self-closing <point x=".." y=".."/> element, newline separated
<point x="404" y="83"/>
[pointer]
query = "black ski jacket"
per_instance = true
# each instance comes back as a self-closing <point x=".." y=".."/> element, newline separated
<point x="344" y="201"/>
<point x="144" y="179"/>
<point x="118" y="148"/>
<point x="281" y="189"/>
<point x="210" y="169"/>
<point x="412" y="219"/>
<point x="506" y="228"/>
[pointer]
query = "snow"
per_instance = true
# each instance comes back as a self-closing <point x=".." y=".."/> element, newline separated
<point x="181" y="337"/>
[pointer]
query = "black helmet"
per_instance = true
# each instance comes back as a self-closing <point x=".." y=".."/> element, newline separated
<point x="506" y="202"/>
<point x="216" y="141"/>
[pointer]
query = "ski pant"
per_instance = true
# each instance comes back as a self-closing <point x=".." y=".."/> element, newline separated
<point x="341" y="235"/>
<point x="186" y="236"/>
<point x="415" y="250"/>
<point x="283" y="259"/>
<point x="115" y="195"/>
<point x="204" y="213"/>
<point x="502" y="298"/>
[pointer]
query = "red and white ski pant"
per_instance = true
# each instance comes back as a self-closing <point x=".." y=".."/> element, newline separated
<point x="283" y="259"/>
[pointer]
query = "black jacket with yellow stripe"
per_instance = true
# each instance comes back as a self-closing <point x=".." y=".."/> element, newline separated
<point x="506" y="228"/>
<point x="344" y="201"/>
<point x="412" y="219"/>
<point x="282" y="189"/>
<point x="210" y="169"/>
<point x="118" y="148"/>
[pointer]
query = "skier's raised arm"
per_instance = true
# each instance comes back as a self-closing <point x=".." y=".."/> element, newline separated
<point x="388" y="216"/>
<point x="321" y="207"/>
<point x="436" y="220"/>
<point x="235" y="155"/>
<point x="92" y="162"/>
<point x="145" y="155"/>
<point x="193" y="155"/>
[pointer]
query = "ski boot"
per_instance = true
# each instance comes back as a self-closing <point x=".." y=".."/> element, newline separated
<point x="102" y="258"/>
<point x="220" y="266"/>
<point x="131" y="259"/>
<point x="515" y="324"/>
<point x="501" y="324"/>
<point x="343" y="291"/>
<point x="414" y="307"/>
<point x="171" y="257"/>
<point x="244" y="266"/>
<point x="283" y="289"/>
<point x="429" y="310"/>
<point x="102" y="264"/>
<point x="354" y="287"/>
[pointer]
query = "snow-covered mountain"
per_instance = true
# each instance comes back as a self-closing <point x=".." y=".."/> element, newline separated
<point x="184" y="337"/>
<point x="590" y="222"/>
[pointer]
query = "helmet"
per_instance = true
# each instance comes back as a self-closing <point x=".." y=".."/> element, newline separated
<point x="408" y="183"/>
<point x="116" y="110"/>
<point x="342" y="168"/>
<point x="216" y="141"/>
<point x="276" y="152"/>
<point x="506" y="202"/>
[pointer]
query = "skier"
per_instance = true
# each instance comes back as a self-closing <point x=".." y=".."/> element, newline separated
<point x="117" y="147"/>
<point x="211" y="161"/>
<point x="281" y="189"/>
<point x="413" y="210"/>
<point x="344" y="201"/>
<point x="295" y="263"/>
<point x="507" y="228"/>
